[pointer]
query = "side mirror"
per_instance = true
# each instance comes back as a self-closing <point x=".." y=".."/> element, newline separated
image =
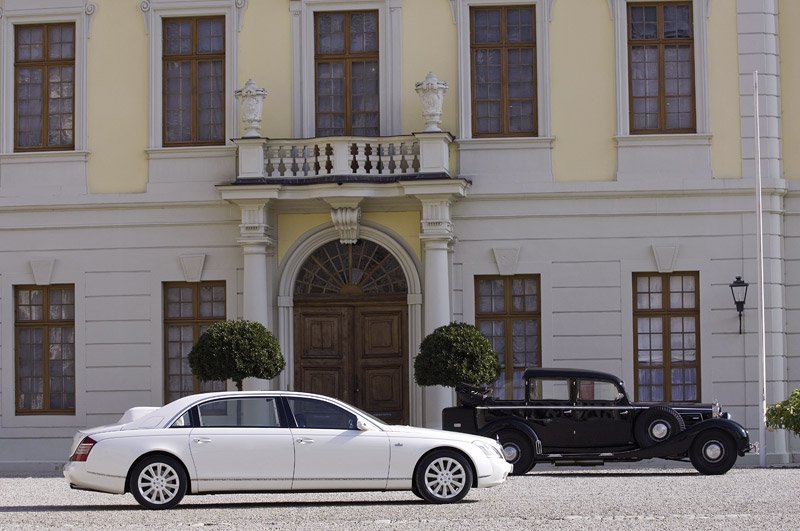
<point x="362" y="425"/>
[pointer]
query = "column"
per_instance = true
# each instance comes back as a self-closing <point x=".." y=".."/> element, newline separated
<point x="257" y="246"/>
<point x="437" y="233"/>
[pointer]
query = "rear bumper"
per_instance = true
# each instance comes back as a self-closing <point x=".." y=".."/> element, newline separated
<point x="81" y="479"/>
<point x="500" y="471"/>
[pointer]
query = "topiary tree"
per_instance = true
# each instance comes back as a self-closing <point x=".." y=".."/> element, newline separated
<point x="235" y="350"/>
<point x="455" y="354"/>
<point x="786" y="414"/>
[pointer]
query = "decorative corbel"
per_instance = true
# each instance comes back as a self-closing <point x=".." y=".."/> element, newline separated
<point x="89" y="9"/>
<point x="144" y="6"/>
<point x="346" y="217"/>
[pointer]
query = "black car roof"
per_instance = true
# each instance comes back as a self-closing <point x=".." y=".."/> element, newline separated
<point x="569" y="373"/>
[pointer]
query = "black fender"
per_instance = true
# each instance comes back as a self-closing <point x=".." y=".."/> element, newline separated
<point x="681" y="442"/>
<point x="493" y="428"/>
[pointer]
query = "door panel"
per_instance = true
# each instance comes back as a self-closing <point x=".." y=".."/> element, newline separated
<point x="357" y="352"/>
<point x="323" y="351"/>
<point x="381" y="366"/>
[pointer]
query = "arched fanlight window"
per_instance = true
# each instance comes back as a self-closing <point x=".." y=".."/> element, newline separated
<point x="363" y="268"/>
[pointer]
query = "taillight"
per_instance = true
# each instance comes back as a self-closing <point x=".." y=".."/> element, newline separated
<point x="82" y="451"/>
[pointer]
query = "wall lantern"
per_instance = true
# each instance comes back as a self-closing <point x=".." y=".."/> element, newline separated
<point x="739" y="292"/>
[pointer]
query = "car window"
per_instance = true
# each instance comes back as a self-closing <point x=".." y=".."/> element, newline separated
<point x="240" y="413"/>
<point x="311" y="413"/>
<point x="184" y="421"/>
<point x="549" y="389"/>
<point x="597" y="390"/>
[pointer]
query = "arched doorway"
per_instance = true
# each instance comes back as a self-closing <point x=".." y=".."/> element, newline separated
<point x="351" y="328"/>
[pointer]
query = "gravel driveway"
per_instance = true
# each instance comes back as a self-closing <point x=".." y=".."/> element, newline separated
<point x="674" y="497"/>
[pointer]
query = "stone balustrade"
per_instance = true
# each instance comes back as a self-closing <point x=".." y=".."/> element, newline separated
<point x="345" y="155"/>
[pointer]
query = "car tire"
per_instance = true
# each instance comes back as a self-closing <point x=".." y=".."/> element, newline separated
<point x="158" y="482"/>
<point x="656" y="425"/>
<point x="517" y="450"/>
<point x="713" y="452"/>
<point x="443" y="476"/>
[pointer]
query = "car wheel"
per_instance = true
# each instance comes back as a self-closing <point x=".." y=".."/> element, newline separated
<point x="158" y="482"/>
<point x="443" y="476"/>
<point x="656" y="425"/>
<point x="517" y="450"/>
<point x="713" y="452"/>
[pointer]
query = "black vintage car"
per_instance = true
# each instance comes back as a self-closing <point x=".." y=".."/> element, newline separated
<point x="581" y="417"/>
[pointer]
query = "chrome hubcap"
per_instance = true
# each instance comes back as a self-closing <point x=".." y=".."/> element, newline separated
<point x="158" y="483"/>
<point x="511" y="452"/>
<point x="659" y="430"/>
<point x="445" y="477"/>
<point x="713" y="450"/>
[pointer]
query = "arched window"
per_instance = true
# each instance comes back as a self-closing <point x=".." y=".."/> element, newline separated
<point x="361" y="269"/>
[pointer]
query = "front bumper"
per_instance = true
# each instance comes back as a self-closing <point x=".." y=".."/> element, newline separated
<point x="500" y="471"/>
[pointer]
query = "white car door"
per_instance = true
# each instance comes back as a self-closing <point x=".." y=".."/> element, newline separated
<point x="241" y="444"/>
<point x="332" y="453"/>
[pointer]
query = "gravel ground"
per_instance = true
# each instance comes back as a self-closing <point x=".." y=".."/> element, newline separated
<point x="613" y="497"/>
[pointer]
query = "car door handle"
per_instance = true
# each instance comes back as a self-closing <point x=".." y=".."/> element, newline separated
<point x="202" y="440"/>
<point x="305" y="441"/>
<point x="623" y="413"/>
<point x="568" y="412"/>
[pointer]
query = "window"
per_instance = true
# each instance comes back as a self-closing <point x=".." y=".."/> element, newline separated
<point x="549" y="389"/>
<point x="189" y="309"/>
<point x="346" y="72"/>
<point x="310" y="413"/>
<point x="508" y="313"/>
<point x="661" y="68"/>
<point x="45" y="349"/>
<point x="597" y="390"/>
<point x="240" y="413"/>
<point x="666" y="322"/>
<point x="44" y="87"/>
<point x="194" y="81"/>
<point x="503" y="66"/>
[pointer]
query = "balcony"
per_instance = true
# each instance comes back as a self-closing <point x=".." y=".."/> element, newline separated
<point x="418" y="156"/>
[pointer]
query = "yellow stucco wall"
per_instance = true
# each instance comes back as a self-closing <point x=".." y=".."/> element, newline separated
<point x="428" y="45"/>
<point x="404" y="224"/>
<point x="117" y="98"/>
<point x="582" y="91"/>
<point x="723" y="87"/>
<point x="265" y="55"/>
<point x="790" y="86"/>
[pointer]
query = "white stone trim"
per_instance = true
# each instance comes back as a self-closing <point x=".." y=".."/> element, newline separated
<point x="543" y="15"/>
<point x="78" y="12"/>
<point x="389" y="64"/>
<point x="156" y="10"/>
<point x="700" y="15"/>
<point x="289" y="269"/>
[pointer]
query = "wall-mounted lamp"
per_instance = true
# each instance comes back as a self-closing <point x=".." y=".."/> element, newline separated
<point x="739" y="292"/>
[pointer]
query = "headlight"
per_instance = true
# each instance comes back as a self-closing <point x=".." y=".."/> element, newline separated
<point x="715" y="409"/>
<point x="490" y="449"/>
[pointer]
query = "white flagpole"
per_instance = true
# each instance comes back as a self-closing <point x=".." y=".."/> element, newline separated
<point x="762" y="341"/>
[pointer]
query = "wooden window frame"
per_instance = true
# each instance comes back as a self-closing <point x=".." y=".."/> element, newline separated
<point x="45" y="64"/>
<point x="45" y="323"/>
<point x="665" y="313"/>
<point x="194" y="57"/>
<point x="348" y="58"/>
<point x="504" y="46"/>
<point x="660" y="42"/>
<point x="508" y="316"/>
<point x="196" y="321"/>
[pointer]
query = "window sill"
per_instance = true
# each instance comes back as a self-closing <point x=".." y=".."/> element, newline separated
<point x="691" y="139"/>
<point x="191" y="152"/>
<point x="476" y="144"/>
<point x="29" y="157"/>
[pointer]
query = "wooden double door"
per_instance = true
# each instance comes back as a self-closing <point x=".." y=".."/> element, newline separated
<point x="355" y="351"/>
